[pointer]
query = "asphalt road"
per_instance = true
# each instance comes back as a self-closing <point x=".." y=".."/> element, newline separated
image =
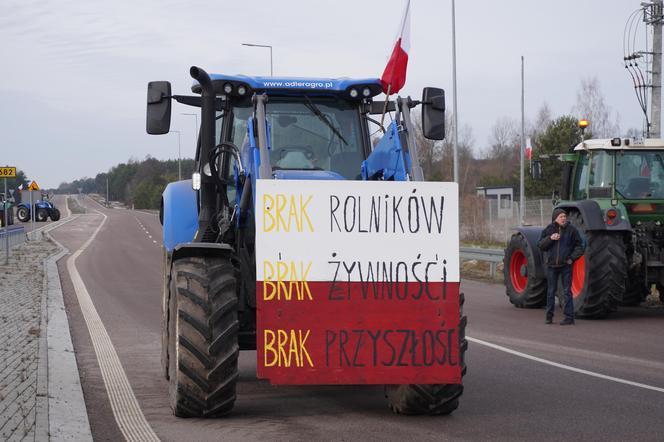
<point x="507" y="396"/>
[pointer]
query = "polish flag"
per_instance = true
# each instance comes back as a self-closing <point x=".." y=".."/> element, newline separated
<point x="529" y="150"/>
<point x="394" y="75"/>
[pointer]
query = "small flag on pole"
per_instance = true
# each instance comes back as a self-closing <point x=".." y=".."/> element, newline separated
<point x="529" y="150"/>
<point x="394" y="75"/>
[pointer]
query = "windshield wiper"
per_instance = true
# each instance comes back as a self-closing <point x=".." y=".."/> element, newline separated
<point x="314" y="110"/>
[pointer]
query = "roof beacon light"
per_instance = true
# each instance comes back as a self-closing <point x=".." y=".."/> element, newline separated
<point x="353" y="93"/>
<point x="583" y="123"/>
<point x="366" y="92"/>
<point x="228" y="88"/>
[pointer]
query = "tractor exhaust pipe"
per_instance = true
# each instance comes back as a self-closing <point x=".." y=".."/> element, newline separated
<point x="203" y="79"/>
<point x="207" y="193"/>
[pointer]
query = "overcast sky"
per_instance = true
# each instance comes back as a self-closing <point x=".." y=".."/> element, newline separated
<point x="74" y="73"/>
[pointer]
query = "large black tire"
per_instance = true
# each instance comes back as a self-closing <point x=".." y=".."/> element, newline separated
<point x="167" y="306"/>
<point x="604" y="271"/>
<point x="203" y="337"/>
<point x="41" y="215"/>
<point x="55" y="215"/>
<point x="636" y="290"/>
<point x="23" y="214"/>
<point x="524" y="289"/>
<point x="431" y="399"/>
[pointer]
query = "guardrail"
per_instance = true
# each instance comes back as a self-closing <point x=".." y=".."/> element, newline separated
<point x="16" y="236"/>
<point x="492" y="256"/>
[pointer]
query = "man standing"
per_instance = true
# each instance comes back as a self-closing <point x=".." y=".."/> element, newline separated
<point x="562" y="244"/>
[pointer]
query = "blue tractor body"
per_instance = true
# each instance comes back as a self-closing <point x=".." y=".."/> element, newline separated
<point x="262" y="128"/>
<point x="43" y="208"/>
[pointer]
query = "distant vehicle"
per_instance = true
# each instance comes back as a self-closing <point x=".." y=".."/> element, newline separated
<point x="44" y="209"/>
<point x="613" y="193"/>
<point x="8" y="202"/>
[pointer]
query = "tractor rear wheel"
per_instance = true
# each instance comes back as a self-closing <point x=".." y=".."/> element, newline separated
<point x="431" y="399"/>
<point x="55" y="215"/>
<point x="524" y="289"/>
<point x="203" y="337"/>
<point x="599" y="276"/>
<point x="41" y="215"/>
<point x="23" y="214"/>
<point x="635" y="290"/>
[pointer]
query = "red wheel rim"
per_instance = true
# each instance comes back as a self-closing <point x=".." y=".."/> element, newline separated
<point x="578" y="275"/>
<point x="518" y="262"/>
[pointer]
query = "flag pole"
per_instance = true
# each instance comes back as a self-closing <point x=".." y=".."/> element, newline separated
<point x="387" y="100"/>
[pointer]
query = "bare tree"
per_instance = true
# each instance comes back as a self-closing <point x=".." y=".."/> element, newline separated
<point x="590" y="104"/>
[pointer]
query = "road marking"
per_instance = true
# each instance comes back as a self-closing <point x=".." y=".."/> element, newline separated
<point x="564" y="366"/>
<point x="127" y="412"/>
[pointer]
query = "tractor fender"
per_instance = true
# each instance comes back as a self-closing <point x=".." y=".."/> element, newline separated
<point x="532" y="236"/>
<point x="593" y="216"/>
<point x="178" y="214"/>
<point x="195" y="249"/>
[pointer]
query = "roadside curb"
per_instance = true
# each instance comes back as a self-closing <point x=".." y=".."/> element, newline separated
<point x="61" y="410"/>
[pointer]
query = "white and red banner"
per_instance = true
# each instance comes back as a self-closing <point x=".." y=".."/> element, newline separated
<point x="357" y="282"/>
<point x="394" y="75"/>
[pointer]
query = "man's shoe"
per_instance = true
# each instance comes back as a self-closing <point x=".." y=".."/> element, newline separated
<point x="567" y="321"/>
<point x="549" y="320"/>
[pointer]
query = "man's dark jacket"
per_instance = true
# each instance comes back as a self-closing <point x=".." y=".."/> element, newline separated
<point x="569" y="246"/>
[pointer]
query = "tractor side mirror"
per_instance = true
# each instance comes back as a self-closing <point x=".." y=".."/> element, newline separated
<point x="159" y="108"/>
<point x="433" y="113"/>
<point x="536" y="170"/>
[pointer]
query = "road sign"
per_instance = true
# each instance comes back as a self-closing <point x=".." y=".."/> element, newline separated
<point x="357" y="283"/>
<point x="33" y="186"/>
<point x="7" y="172"/>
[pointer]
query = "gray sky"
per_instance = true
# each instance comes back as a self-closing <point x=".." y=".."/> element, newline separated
<point x="74" y="73"/>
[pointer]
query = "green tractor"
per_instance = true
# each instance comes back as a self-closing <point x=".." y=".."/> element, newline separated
<point x="613" y="192"/>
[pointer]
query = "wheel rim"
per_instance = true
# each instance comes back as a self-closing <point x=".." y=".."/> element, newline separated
<point x="518" y="266"/>
<point x="578" y="276"/>
<point x="21" y="213"/>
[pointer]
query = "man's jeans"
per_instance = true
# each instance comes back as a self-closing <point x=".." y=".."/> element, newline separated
<point x="552" y="274"/>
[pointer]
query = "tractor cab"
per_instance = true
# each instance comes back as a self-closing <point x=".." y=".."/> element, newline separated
<point x="628" y="174"/>
<point x="315" y="127"/>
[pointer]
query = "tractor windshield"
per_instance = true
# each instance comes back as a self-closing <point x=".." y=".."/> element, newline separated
<point x="640" y="174"/>
<point x="315" y="134"/>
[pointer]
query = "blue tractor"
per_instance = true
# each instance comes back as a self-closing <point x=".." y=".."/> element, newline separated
<point x="265" y="128"/>
<point x="44" y="209"/>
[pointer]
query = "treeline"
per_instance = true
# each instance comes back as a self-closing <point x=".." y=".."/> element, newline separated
<point x="135" y="183"/>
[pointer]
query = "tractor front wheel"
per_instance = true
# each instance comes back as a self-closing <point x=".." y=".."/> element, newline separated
<point x="203" y="337"/>
<point x="431" y="399"/>
<point x="524" y="288"/>
<point x="41" y="215"/>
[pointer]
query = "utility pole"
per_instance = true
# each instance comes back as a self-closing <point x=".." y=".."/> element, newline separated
<point x="656" y="98"/>
<point x="455" y="145"/>
<point x="522" y="186"/>
<point x="108" y="204"/>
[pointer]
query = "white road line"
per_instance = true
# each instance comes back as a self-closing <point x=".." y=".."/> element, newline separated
<point x="127" y="412"/>
<point x="564" y="366"/>
<point x="154" y="241"/>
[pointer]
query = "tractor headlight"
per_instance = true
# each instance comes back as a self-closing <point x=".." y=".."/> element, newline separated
<point x="228" y="88"/>
<point x="366" y="92"/>
<point x="241" y="90"/>
<point x="196" y="181"/>
<point x="353" y="93"/>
